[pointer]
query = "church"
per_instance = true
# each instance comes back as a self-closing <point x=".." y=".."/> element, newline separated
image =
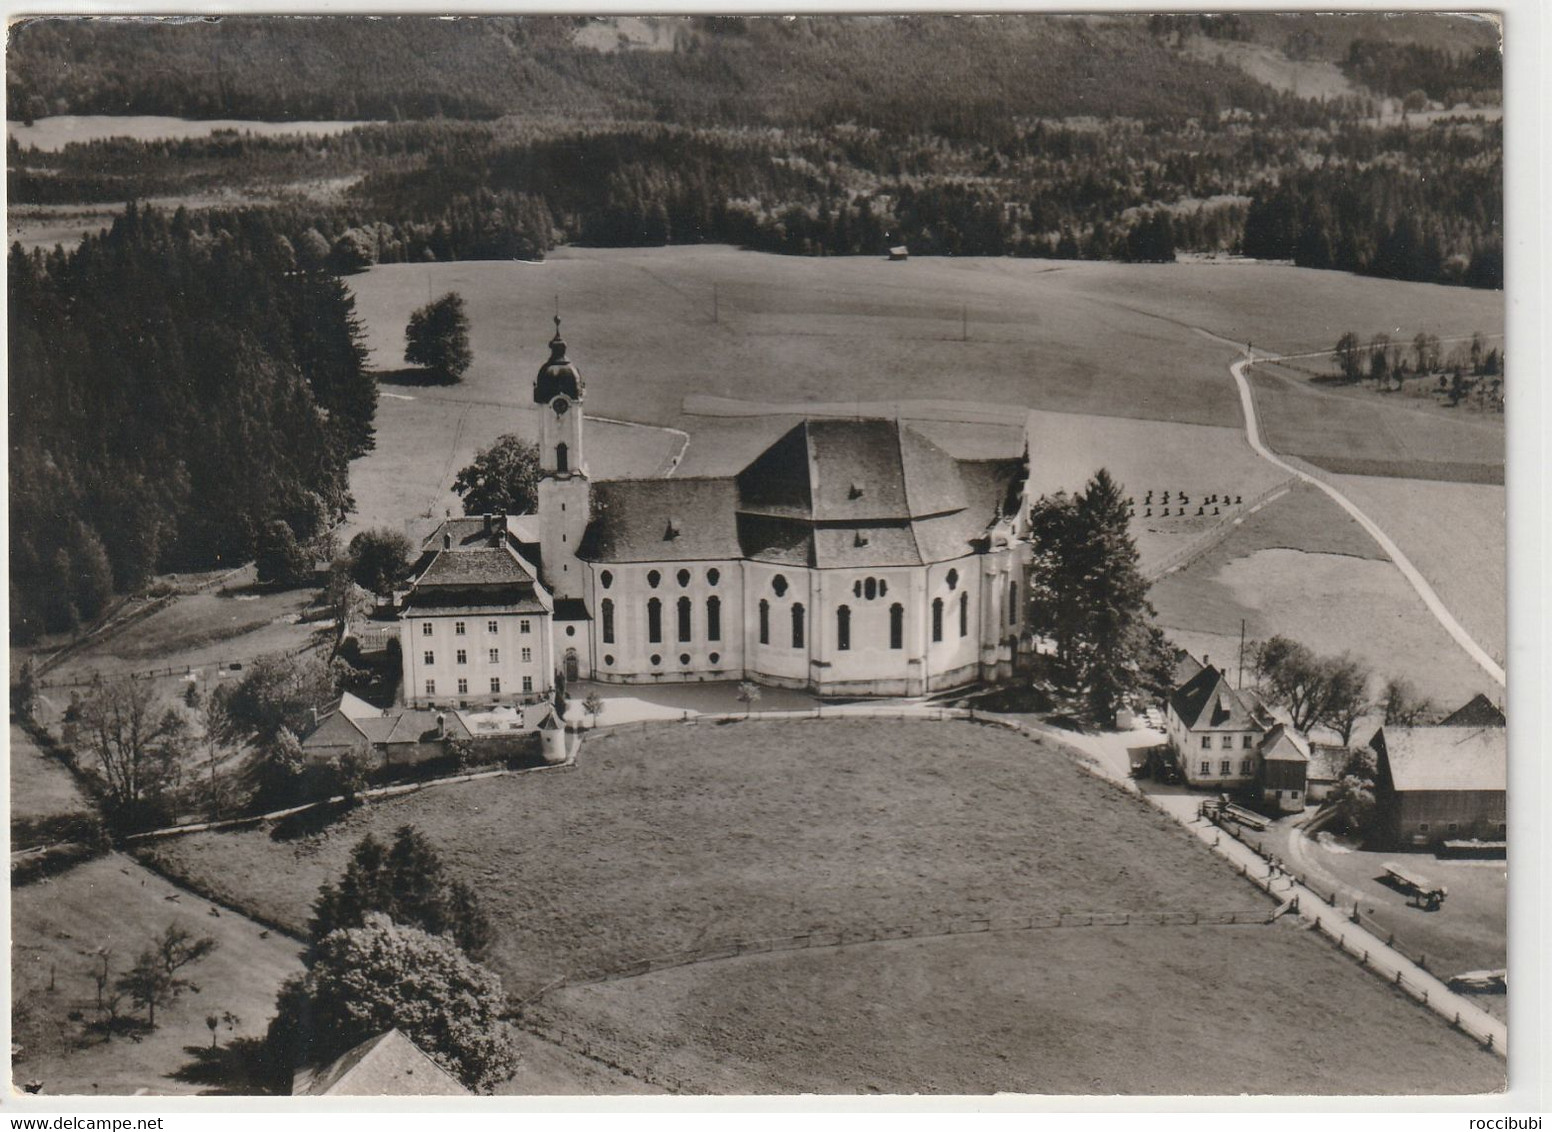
<point x="852" y="557"/>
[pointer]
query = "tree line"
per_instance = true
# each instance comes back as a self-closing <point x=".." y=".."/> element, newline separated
<point x="178" y="384"/>
<point x="1419" y="204"/>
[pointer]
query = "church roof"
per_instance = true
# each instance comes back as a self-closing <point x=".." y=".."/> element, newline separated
<point x="828" y="493"/>
<point x="836" y="470"/>
<point x="680" y="519"/>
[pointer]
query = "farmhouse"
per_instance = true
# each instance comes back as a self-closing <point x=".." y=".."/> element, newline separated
<point x="850" y="557"/>
<point x="1478" y="711"/>
<point x="1438" y="784"/>
<point x="1216" y="730"/>
<point x="387" y="1065"/>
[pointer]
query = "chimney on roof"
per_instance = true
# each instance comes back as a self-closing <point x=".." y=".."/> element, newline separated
<point x="1206" y="661"/>
<point x="447" y="540"/>
<point x="860" y="540"/>
<point x="855" y="492"/>
<point x="487" y="522"/>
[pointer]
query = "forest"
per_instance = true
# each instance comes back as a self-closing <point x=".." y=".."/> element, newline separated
<point x="1408" y="202"/>
<point x="177" y="385"/>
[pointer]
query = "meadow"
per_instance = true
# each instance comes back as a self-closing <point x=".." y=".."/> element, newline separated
<point x="1298" y="554"/>
<point x="689" y="836"/>
<point x="1226" y="1010"/>
<point x="53" y="133"/>
<point x="57" y="927"/>
<point x="1455" y="534"/>
<point x="41" y="787"/>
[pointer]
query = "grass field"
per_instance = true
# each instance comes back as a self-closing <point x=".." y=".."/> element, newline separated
<point x="41" y="787"/>
<point x="688" y="836"/>
<point x="1301" y="553"/>
<point x="56" y="927"/>
<point x="1159" y="456"/>
<point x="1455" y="533"/>
<point x="1376" y="437"/>
<point x="1266" y="1009"/>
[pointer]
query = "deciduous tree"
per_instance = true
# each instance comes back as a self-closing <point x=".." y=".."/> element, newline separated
<point x="437" y="338"/>
<point x="503" y="480"/>
<point x="139" y="745"/>
<point x="364" y="980"/>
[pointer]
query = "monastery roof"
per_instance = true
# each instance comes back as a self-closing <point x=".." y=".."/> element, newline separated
<point x="1206" y="702"/>
<point x="1445" y="758"/>
<point x="478" y="580"/>
<point x="387" y="1065"/>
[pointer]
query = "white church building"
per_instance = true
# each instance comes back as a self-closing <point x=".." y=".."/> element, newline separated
<point x="851" y="557"/>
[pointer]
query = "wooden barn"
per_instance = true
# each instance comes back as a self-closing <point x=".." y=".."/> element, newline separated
<point x="1441" y="784"/>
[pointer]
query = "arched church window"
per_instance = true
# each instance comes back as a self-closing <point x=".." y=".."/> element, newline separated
<point x="765" y="622"/>
<point x="560" y="457"/>
<point x="897" y="626"/>
<point x="1012" y="603"/>
<point x="713" y="618"/>
<point x="797" y="625"/>
<point x="937" y="619"/>
<point x="606" y="616"/>
<point x="843" y="627"/>
<point x="684" y="619"/>
<point x="654" y="621"/>
<point x="964" y="614"/>
<point x="870" y="588"/>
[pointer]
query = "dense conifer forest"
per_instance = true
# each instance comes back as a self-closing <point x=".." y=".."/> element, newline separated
<point x="175" y="386"/>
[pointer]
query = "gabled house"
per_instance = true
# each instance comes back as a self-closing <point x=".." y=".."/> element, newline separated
<point x="1216" y="731"/>
<point x="1285" y="759"/>
<point x="389" y="1065"/>
<point x="1438" y="784"/>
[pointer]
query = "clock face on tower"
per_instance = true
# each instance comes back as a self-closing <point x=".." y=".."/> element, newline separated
<point x="560" y="406"/>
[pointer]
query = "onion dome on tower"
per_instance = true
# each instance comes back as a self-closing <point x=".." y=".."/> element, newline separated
<point x="557" y="377"/>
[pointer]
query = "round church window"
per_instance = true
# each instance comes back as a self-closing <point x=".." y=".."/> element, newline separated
<point x="714" y="657"/>
<point x="571" y="630"/>
<point x="684" y="578"/>
<point x="609" y="658"/>
<point x="779" y="584"/>
<point x="713" y="576"/>
<point x="653" y="578"/>
<point x="606" y="579"/>
<point x="684" y="658"/>
<point x="655" y="659"/>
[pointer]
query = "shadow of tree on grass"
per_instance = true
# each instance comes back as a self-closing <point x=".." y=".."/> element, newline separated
<point x="239" y="1068"/>
<point x="414" y="376"/>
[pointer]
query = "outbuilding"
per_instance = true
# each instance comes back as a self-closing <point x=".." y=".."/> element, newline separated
<point x="1438" y="784"/>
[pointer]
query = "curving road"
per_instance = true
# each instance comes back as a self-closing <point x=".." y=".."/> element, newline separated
<point x="1425" y="591"/>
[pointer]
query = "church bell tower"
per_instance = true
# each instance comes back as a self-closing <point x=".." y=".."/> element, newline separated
<point x="565" y="495"/>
